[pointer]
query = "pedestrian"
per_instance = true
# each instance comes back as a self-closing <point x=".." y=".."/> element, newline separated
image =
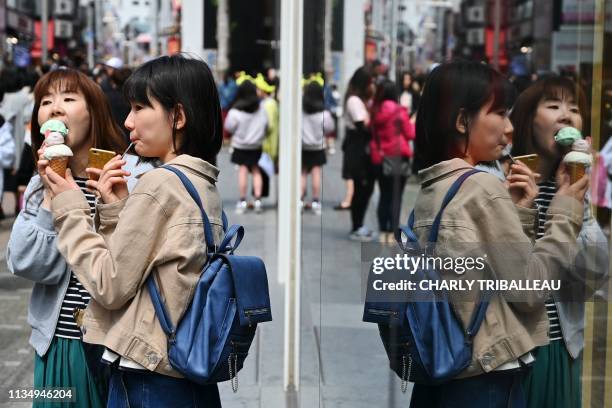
<point x="406" y="96"/>
<point x="390" y="152"/>
<point x="227" y="94"/>
<point x="356" y="164"/>
<point x="463" y="120"/>
<point x="15" y="107"/>
<point x="268" y="162"/>
<point x="119" y="106"/>
<point x="332" y="101"/>
<point x="175" y="118"/>
<point x="317" y="123"/>
<point x="539" y="113"/>
<point x="247" y="122"/>
<point x="62" y="359"/>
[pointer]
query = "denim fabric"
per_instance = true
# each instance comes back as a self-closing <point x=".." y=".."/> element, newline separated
<point x="492" y="390"/>
<point x="134" y="389"/>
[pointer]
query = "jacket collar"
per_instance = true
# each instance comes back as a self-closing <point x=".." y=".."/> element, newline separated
<point x="195" y="165"/>
<point x="442" y="170"/>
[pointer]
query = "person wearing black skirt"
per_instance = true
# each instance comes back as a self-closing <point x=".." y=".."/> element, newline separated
<point x="317" y="123"/>
<point x="247" y="121"/>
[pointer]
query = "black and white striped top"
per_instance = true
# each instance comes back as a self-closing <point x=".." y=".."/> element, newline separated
<point x="545" y="196"/>
<point x="76" y="295"/>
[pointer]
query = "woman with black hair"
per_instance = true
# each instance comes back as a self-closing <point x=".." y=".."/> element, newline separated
<point x="175" y="117"/>
<point x="316" y="124"/>
<point x="247" y="121"/>
<point x="463" y="120"/>
<point x="356" y="164"/>
<point x="390" y="151"/>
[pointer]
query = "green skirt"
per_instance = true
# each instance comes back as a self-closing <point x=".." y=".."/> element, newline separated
<point x="66" y="365"/>
<point x="554" y="380"/>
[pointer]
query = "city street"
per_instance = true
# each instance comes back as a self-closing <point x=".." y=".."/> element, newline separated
<point x="343" y="363"/>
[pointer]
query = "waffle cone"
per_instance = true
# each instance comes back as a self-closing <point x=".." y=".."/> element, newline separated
<point x="576" y="171"/>
<point x="59" y="165"/>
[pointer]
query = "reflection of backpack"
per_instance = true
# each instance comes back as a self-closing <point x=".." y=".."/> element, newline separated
<point x="424" y="339"/>
<point x="211" y="341"/>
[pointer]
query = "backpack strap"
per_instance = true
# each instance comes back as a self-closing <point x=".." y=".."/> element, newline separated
<point x="481" y="308"/>
<point x="160" y="310"/>
<point x="452" y="191"/>
<point x="433" y="234"/>
<point x="208" y="234"/>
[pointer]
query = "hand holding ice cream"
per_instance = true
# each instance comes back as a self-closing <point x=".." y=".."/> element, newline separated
<point x="58" y="154"/>
<point x="578" y="160"/>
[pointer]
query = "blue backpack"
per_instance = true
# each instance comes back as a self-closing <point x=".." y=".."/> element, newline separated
<point x="212" y="340"/>
<point x="424" y="339"/>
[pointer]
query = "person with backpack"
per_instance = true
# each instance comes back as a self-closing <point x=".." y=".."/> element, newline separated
<point x="390" y="152"/>
<point x="175" y="117"/>
<point x="247" y="122"/>
<point x="61" y="358"/>
<point x="317" y="123"/>
<point x="549" y="105"/>
<point x="463" y="120"/>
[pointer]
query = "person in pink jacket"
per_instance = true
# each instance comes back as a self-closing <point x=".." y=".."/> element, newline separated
<point x="390" y="151"/>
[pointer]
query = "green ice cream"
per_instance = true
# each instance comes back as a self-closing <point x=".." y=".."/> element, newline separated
<point x="567" y="135"/>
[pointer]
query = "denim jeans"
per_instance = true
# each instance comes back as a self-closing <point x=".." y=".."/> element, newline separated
<point x="135" y="389"/>
<point x="501" y="389"/>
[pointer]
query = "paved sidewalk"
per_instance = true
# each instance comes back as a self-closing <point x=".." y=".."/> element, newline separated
<point x="343" y="363"/>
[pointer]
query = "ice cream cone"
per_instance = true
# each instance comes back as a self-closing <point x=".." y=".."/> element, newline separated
<point x="59" y="165"/>
<point x="576" y="171"/>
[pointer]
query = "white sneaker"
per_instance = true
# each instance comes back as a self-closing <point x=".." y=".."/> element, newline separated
<point x="363" y="234"/>
<point x="316" y="207"/>
<point x="241" y="207"/>
<point x="257" y="206"/>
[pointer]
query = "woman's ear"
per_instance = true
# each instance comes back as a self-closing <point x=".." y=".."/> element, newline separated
<point x="179" y="117"/>
<point x="461" y="124"/>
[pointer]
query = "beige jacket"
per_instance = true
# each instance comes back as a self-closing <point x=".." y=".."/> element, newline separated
<point x="482" y="219"/>
<point x="157" y="229"/>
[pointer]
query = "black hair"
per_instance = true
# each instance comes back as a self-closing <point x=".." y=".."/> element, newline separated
<point x="246" y="97"/>
<point x="177" y="80"/>
<point x="313" y="100"/>
<point x="358" y="84"/>
<point x="386" y="91"/>
<point x="453" y="90"/>
<point x="11" y="79"/>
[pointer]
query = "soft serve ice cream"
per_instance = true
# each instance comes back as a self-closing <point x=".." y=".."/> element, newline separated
<point x="58" y="154"/>
<point x="578" y="160"/>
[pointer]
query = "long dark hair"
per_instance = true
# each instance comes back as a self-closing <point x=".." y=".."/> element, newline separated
<point x="526" y="106"/>
<point x="453" y="89"/>
<point x="385" y="91"/>
<point x="176" y="80"/>
<point x="359" y="84"/>
<point x="313" y="100"/>
<point x="246" y="98"/>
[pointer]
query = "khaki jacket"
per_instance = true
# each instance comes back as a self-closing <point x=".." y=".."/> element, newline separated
<point x="482" y="219"/>
<point x="157" y="229"/>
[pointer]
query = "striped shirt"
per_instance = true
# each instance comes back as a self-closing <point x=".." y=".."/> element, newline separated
<point x="545" y="196"/>
<point x="76" y="295"/>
